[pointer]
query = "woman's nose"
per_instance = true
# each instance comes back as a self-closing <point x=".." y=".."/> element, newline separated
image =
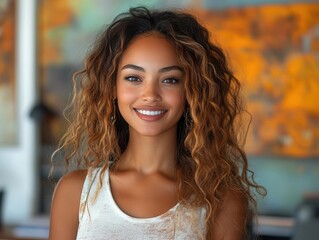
<point x="151" y="92"/>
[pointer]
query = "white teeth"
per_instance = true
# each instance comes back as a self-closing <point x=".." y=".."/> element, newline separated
<point x="149" y="113"/>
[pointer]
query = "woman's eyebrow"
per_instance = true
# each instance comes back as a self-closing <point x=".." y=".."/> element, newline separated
<point x="164" y="69"/>
<point x="170" y="68"/>
<point x="132" y="66"/>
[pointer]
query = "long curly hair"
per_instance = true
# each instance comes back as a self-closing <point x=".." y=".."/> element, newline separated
<point x="211" y="160"/>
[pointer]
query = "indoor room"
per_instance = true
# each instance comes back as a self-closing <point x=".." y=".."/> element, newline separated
<point x="272" y="48"/>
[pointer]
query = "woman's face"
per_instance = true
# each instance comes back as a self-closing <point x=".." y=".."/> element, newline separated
<point x="150" y="86"/>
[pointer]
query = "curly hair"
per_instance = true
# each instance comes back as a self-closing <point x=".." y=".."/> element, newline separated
<point x="211" y="160"/>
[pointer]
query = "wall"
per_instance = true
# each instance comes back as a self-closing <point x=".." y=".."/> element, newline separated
<point x="287" y="181"/>
<point x="18" y="168"/>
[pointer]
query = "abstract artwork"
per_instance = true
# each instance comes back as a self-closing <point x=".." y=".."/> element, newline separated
<point x="8" y="109"/>
<point x="274" y="51"/>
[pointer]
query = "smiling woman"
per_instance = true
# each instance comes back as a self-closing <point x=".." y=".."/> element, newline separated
<point x="155" y="132"/>
<point x="150" y="87"/>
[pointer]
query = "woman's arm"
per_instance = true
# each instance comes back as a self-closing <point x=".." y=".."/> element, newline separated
<point x="231" y="220"/>
<point x="64" y="217"/>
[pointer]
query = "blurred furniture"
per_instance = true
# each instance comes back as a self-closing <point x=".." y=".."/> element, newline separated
<point x="36" y="228"/>
<point x="274" y="228"/>
<point x="307" y="224"/>
<point x="1" y="203"/>
<point x="308" y="230"/>
<point x="7" y="233"/>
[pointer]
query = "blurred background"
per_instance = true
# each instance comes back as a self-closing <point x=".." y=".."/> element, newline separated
<point x="273" y="47"/>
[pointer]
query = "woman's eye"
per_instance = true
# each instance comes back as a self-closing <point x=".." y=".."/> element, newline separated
<point x="170" y="80"/>
<point x="132" y="79"/>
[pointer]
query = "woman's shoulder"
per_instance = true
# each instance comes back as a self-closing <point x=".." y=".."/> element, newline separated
<point x="74" y="183"/>
<point x="232" y="216"/>
<point x="73" y="180"/>
<point x="65" y="205"/>
<point x="68" y="190"/>
<point x="70" y="186"/>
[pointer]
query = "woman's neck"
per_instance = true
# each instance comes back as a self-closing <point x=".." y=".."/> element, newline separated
<point x="148" y="155"/>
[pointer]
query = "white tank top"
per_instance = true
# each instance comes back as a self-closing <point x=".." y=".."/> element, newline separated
<point x="101" y="218"/>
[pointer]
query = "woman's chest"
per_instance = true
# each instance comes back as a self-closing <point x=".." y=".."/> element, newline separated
<point x="143" y="196"/>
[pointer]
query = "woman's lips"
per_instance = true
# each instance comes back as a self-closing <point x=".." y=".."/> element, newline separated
<point x="150" y="114"/>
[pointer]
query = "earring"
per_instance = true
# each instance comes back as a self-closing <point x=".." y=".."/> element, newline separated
<point x="113" y="117"/>
<point x="188" y="120"/>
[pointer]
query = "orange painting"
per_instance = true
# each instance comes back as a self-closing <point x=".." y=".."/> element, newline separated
<point x="274" y="51"/>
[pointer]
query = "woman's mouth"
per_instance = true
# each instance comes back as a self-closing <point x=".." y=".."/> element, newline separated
<point x="149" y="114"/>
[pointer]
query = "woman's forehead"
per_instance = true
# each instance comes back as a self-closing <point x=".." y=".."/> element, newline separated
<point x="149" y="48"/>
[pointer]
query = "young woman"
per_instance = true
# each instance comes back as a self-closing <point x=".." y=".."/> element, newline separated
<point x="155" y="134"/>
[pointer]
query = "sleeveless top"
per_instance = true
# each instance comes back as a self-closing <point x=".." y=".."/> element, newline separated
<point x="101" y="218"/>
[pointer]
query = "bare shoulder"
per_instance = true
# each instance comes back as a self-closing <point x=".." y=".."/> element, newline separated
<point x="65" y="205"/>
<point x="69" y="187"/>
<point x="236" y="202"/>
<point x="72" y="181"/>
<point x="231" y="219"/>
